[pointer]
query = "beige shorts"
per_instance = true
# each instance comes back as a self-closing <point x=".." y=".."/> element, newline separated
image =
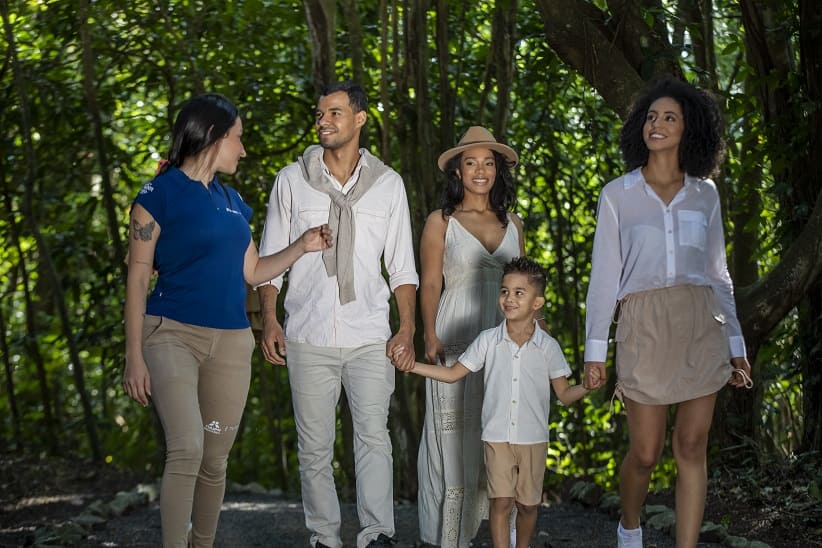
<point x="515" y="471"/>
<point x="671" y="345"/>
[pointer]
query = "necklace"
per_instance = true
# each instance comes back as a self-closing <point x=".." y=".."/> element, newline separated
<point x="461" y="209"/>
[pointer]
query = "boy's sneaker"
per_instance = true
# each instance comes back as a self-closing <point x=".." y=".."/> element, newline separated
<point x="629" y="538"/>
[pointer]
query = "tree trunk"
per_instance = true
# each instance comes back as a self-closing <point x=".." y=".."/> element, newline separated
<point x="385" y="75"/>
<point x="355" y="38"/>
<point x="50" y="425"/>
<point x="616" y="52"/>
<point x="810" y="364"/>
<point x="90" y="90"/>
<point x="698" y="15"/>
<point x="448" y="94"/>
<point x="321" y="17"/>
<point x="50" y="273"/>
<point x="503" y="42"/>
<point x="8" y="368"/>
<point x="810" y="47"/>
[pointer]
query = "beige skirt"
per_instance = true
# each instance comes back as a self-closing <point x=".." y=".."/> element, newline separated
<point x="671" y="345"/>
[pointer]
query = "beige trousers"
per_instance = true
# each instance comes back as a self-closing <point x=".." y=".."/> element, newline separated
<point x="199" y="383"/>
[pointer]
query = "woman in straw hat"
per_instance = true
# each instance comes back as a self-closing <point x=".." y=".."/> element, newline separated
<point x="465" y="244"/>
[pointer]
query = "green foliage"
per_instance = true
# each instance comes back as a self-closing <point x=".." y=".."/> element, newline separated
<point x="148" y="57"/>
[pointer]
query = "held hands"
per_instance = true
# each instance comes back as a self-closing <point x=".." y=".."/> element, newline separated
<point x="317" y="238"/>
<point x="399" y="357"/>
<point x="594" y="375"/>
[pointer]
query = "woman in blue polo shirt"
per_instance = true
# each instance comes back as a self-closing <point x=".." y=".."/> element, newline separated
<point x="189" y="344"/>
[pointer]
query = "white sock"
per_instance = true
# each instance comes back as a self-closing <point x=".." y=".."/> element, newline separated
<point x="629" y="538"/>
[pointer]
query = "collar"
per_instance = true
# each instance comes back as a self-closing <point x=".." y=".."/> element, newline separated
<point x="634" y="178"/>
<point x="538" y="338"/>
<point x="362" y="162"/>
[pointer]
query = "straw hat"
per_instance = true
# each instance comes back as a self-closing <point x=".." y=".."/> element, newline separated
<point x="478" y="136"/>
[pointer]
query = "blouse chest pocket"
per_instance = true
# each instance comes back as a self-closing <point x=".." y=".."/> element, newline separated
<point x="693" y="229"/>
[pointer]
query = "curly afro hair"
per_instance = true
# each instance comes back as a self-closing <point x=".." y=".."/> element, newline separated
<point x="702" y="147"/>
<point x="503" y="194"/>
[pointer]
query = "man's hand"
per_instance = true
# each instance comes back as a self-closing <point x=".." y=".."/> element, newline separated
<point x="272" y="342"/>
<point x="400" y="350"/>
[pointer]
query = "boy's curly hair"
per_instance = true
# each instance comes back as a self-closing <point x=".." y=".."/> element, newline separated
<point x="702" y="147"/>
<point x="534" y="272"/>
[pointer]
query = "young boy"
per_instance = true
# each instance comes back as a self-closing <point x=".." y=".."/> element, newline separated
<point x="519" y="359"/>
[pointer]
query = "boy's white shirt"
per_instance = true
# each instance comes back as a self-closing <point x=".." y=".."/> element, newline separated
<point x="517" y="383"/>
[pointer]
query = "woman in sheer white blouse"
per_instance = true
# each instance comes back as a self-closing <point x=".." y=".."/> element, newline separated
<point x="659" y="264"/>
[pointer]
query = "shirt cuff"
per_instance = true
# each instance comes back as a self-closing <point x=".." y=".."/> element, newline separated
<point x="737" y="345"/>
<point x="277" y="282"/>
<point x="596" y="350"/>
<point x="403" y="278"/>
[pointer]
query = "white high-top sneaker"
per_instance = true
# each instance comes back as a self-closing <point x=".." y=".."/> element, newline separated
<point x="629" y="538"/>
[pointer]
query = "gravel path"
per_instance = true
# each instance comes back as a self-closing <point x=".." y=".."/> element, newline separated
<point x="249" y="520"/>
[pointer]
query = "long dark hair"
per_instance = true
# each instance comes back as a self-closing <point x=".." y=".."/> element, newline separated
<point x="202" y="121"/>
<point x="503" y="194"/>
<point x="702" y="147"/>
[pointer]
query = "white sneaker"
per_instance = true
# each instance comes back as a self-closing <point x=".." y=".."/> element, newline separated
<point x="629" y="538"/>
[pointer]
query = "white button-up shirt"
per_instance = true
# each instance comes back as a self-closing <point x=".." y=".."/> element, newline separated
<point x="314" y="314"/>
<point x="517" y="383"/>
<point x="641" y="244"/>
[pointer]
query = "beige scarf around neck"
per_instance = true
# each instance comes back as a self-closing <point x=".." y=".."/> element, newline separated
<point x="339" y="258"/>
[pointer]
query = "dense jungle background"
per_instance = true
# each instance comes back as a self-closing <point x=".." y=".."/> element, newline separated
<point x="89" y="91"/>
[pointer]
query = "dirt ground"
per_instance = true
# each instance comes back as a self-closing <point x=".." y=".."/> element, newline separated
<point x="780" y="507"/>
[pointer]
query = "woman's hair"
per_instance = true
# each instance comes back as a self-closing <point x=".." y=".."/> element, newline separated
<point x="702" y="147"/>
<point x="503" y="194"/>
<point x="202" y="121"/>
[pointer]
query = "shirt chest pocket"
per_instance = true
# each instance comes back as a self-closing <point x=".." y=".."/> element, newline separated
<point x="310" y="217"/>
<point x="693" y="228"/>
<point x="372" y="224"/>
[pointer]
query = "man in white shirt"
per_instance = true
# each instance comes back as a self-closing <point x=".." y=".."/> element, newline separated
<point x="337" y="328"/>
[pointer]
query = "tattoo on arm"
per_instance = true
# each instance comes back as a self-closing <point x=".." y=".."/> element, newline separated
<point x="142" y="232"/>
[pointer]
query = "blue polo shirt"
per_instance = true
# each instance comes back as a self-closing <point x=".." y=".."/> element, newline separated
<point x="204" y="234"/>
